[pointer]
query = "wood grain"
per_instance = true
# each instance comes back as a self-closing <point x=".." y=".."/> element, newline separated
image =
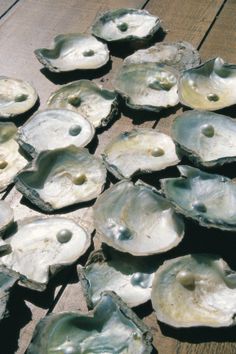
<point x="222" y="37"/>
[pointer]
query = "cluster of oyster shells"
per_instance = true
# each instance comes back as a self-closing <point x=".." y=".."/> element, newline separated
<point x="135" y="222"/>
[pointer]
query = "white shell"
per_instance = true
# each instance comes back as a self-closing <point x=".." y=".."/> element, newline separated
<point x="126" y="25"/>
<point x="6" y="215"/>
<point x="16" y="97"/>
<point x="139" y="150"/>
<point x="195" y="290"/>
<point x="207" y="138"/>
<point x="62" y="177"/>
<point x="148" y="86"/>
<point x="180" y="55"/>
<point x="136" y="219"/>
<point x="11" y="161"/>
<point x="210" y="86"/>
<point x="74" y="51"/>
<point x="54" y="128"/>
<point x="42" y="246"/>
<point x="85" y="97"/>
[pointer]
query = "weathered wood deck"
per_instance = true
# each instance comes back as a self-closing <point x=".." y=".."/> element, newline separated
<point x="29" y="24"/>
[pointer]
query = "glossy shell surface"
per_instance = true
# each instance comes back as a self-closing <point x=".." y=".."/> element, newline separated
<point x="128" y="276"/>
<point x="110" y="328"/>
<point x="62" y="177"/>
<point x="148" y="86"/>
<point x="195" y="290"/>
<point x="139" y="150"/>
<point x="208" y="198"/>
<point x="180" y="55"/>
<point x="210" y="86"/>
<point x="54" y="128"/>
<point x="207" y="138"/>
<point x="119" y="219"/>
<point x="11" y="160"/>
<point x="40" y="247"/>
<point x="74" y="51"/>
<point x="16" y="97"/>
<point x="126" y="25"/>
<point x="7" y="281"/>
<point x="96" y="104"/>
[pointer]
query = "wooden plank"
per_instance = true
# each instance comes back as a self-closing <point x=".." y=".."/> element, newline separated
<point x="5" y="5"/>
<point x="34" y="25"/>
<point x="221" y="39"/>
<point x="186" y="20"/>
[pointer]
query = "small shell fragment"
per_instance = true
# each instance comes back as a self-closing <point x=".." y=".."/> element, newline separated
<point x="7" y="281"/>
<point x="208" y="198"/>
<point x="62" y="177"/>
<point x="195" y="290"/>
<point x="11" y="161"/>
<point x="126" y="25"/>
<point x="44" y="241"/>
<point x="16" y="97"/>
<point x="128" y="276"/>
<point x="53" y="129"/>
<point x="210" y="86"/>
<point x="180" y="55"/>
<point x="98" y="105"/>
<point x="139" y="150"/>
<point x="207" y="138"/>
<point x="110" y="328"/>
<point x="148" y="86"/>
<point x="6" y="215"/>
<point x="136" y="219"/>
<point x="74" y="51"/>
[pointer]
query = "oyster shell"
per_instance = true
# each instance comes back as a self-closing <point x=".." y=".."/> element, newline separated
<point x="208" y="198"/>
<point x="180" y="55"/>
<point x="7" y="281"/>
<point x="129" y="277"/>
<point x="208" y="138"/>
<point x="16" y="97"/>
<point x="126" y="25"/>
<point x="148" y="86"/>
<point x="11" y="161"/>
<point x="74" y="51"/>
<point x="119" y="219"/>
<point x="210" y="86"/>
<point x="52" y="243"/>
<point x="195" y="290"/>
<point x="110" y="328"/>
<point x="54" y="128"/>
<point x="6" y="215"/>
<point x="139" y="150"/>
<point x="61" y="177"/>
<point x="85" y="97"/>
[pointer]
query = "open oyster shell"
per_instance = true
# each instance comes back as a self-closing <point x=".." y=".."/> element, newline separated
<point x="210" y="86"/>
<point x="11" y="161"/>
<point x="110" y="328"/>
<point x="16" y="97"/>
<point x="139" y="150"/>
<point x="126" y="25"/>
<point x="119" y="219"/>
<point x="208" y="198"/>
<point x="54" y="128"/>
<point x="148" y="86"/>
<point x="52" y="243"/>
<point x="74" y="51"/>
<point x="180" y="55"/>
<point x="195" y="290"/>
<point x="129" y="277"/>
<point x="85" y="97"/>
<point x="61" y="177"/>
<point x="6" y="215"/>
<point x="207" y="138"/>
<point x="7" y="281"/>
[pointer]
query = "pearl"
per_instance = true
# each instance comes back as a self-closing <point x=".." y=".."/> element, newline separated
<point x="64" y="235"/>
